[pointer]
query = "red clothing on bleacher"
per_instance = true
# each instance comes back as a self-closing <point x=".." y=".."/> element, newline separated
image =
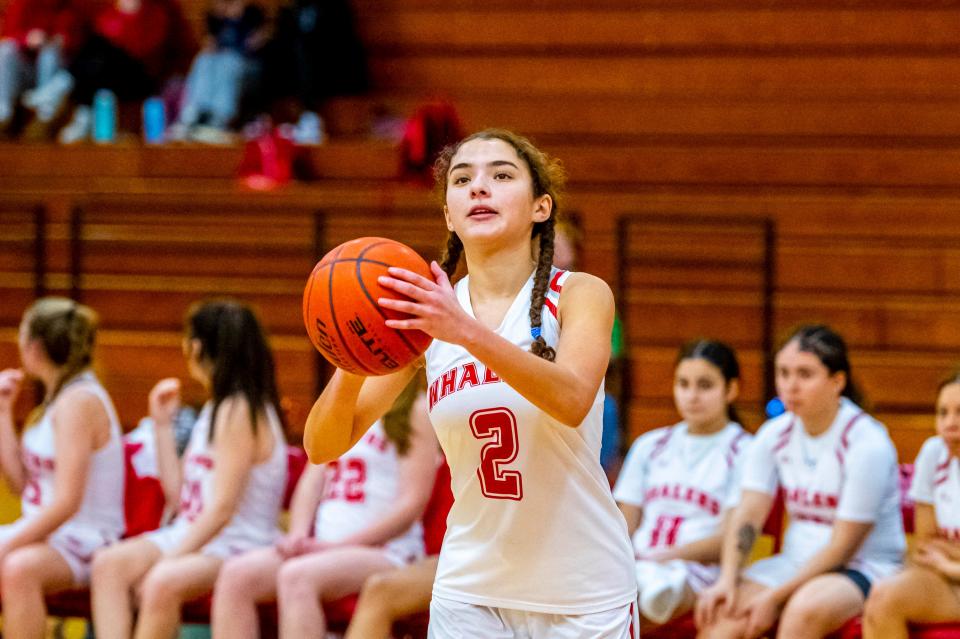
<point x="157" y="36"/>
<point x="64" y="18"/>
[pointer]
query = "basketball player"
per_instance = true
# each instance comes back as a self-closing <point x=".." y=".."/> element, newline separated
<point x="927" y="591"/>
<point x="67" y="466"/>
<point x="364" y="511"/>
<point x="678" y="483"/>
<point x="535" y="546"/>
<point x="838" y="470"/>
<point x="232" y="481"/>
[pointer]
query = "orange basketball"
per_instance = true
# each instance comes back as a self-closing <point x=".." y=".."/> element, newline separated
<point x="341" y="313"/>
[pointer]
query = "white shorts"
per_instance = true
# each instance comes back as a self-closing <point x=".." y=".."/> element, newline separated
<point x="456" y="620"/>
<point x="223" y="546"/>
<point x="774" y="571"/>
<point x="75" y="543"/>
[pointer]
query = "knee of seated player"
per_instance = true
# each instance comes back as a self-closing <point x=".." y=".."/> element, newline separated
<point x="296" y="580"/>
<point x="381" y="588"/>
<point x="236" y="577"/>
<point x="160" y="588"/>
<point x="885" y="600"/>
<point x="801" y="615"/>
<point x="19" y="572"/>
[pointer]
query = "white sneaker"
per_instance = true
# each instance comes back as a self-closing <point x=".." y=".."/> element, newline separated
<point x="79" y="128"/>
<point x="6" y="114"/>
<point x="661" y="588"/>
<point x="48" y="99"/>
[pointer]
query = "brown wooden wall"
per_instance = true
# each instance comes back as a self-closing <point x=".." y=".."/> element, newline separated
<point x="834" y="122"/>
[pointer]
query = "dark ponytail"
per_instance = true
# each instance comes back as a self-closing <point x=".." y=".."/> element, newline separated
<point x="721" y="356"/>
<point x="234" y="343"/>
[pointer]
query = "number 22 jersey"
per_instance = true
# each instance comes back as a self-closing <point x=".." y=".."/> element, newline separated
<point x="534" y="525"/>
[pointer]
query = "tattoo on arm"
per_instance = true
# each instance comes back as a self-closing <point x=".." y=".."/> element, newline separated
<point x="746" y="537"/>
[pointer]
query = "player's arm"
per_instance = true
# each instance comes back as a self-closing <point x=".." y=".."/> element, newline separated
<point x="417" y="471"/>
<point x="347" y="408"/>
<point x="633" y="515"/>
<point x="566" y="388"/>
<point x="924" y="522"/>
<point x="235" y="447"/>
<point x="11" y="462"/>
<point x="306" y="497"/>
<point x="74" y="434"/>
<point x="741" y="534"/>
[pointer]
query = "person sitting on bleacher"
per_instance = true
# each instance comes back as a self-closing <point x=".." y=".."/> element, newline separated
<point x="837" y="468"/>
<point x="38" y="38"/>
<point x="927" y="591"/>
<point x="231" y="484"/>
<point x="364" y="511"/>
<point x="680" y="483"/>
<point x="67" y="465"/>
<point x="221" y="73"/>
<point x="136" y="46"/>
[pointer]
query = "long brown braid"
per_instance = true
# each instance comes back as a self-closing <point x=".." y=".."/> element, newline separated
<point x="548" y="177"/>
<point x="67" y="330"/>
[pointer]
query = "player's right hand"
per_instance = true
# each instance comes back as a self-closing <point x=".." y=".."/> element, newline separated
<point x="717" y="600"/>
<point x="11" y="380"/>
<point x="164" y="401"/>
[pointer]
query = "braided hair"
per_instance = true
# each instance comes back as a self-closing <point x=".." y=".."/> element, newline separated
<point x="548" y="178"/>
<point x="67" y="331"/>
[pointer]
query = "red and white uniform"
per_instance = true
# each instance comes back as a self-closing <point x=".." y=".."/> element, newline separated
<point x="534" y="526"/>
<point x="254" y="524"/>
<point x="358" y="488"/>
<point x="99" y="520"/>
<point x="683" y="483"/>
<point x="848" y="473"/>
<point x="936" y="481"/>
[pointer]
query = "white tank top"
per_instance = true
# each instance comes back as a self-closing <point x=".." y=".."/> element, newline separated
<point x="534" y="525"/>
<point x="102" y="505"/>
<point x="256" y="516"/>
<point x="359" y="487"/>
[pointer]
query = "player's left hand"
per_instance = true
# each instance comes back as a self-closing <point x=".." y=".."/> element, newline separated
<point x="931" y="556"/>
<point x="761" y="612"/>
<point x="433" y="304"/>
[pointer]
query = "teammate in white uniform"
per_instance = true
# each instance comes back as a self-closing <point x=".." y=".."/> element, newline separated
<point x="838" y="470"/>
<point x="67" y="466"/>
<point x="535" y="545"/>
<point x="231" y="485"/>
<point x="927" y="591"/>
<point x="350" y="518"/>
<point x="678" y="483"/>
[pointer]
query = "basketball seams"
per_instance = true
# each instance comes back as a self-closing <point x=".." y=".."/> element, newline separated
<point x="360" y="259"/>
<point x="336" y="326"/>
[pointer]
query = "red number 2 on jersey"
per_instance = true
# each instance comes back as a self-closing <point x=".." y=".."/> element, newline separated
<point x="500" y="425"/>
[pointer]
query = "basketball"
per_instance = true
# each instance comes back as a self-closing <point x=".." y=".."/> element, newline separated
<point x="341" y="313"/>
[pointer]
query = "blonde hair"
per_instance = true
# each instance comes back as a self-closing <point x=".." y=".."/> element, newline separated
<point x="67" y="331"/>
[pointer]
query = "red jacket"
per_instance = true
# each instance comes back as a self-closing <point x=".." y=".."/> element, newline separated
<point x="66" y="18"/>
<point x="158" y="35"/>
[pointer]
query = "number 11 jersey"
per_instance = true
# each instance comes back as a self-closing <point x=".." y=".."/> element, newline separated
<point x="534" y="525"/>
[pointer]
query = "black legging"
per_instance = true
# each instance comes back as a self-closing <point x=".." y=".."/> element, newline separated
<point x="102" y="65"/>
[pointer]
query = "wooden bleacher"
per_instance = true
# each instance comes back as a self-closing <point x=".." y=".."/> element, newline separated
<point x="835" y="124"/>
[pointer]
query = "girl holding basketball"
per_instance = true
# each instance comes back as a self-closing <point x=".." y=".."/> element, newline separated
<point x="679" y="483"/>
<point x="231" y="482"/>
<point x="67" y="465"/>
<point x="838" y="471"/>
<point x="927" y="591"/>
<point x="351" y="518"/>
<point x="535" y="545"/>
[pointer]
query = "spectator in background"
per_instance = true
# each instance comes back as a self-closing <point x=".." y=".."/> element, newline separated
<point x="227" y="66"/>
<point x="314" y="55"/>
<point x="37" y="37"/>
<point x="136" y="46"/>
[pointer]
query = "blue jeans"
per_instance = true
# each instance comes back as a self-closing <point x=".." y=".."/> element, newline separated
<point x="215" y="86"/>
<point x="19" y="71"/>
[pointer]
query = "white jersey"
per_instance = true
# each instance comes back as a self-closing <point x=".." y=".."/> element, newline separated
<point x="359" y="488"/>
<point x="255" y="521"/>
<point x="533" y="525"/>
<point x="682" y="482"/>
<point x="102" y="507"/>
<point x="849" y="473"/>
<point x="936" y="481"/>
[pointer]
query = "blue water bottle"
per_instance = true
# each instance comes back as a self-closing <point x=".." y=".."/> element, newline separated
<point x="154" y="120"/>
<point x="104" y="117"/>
